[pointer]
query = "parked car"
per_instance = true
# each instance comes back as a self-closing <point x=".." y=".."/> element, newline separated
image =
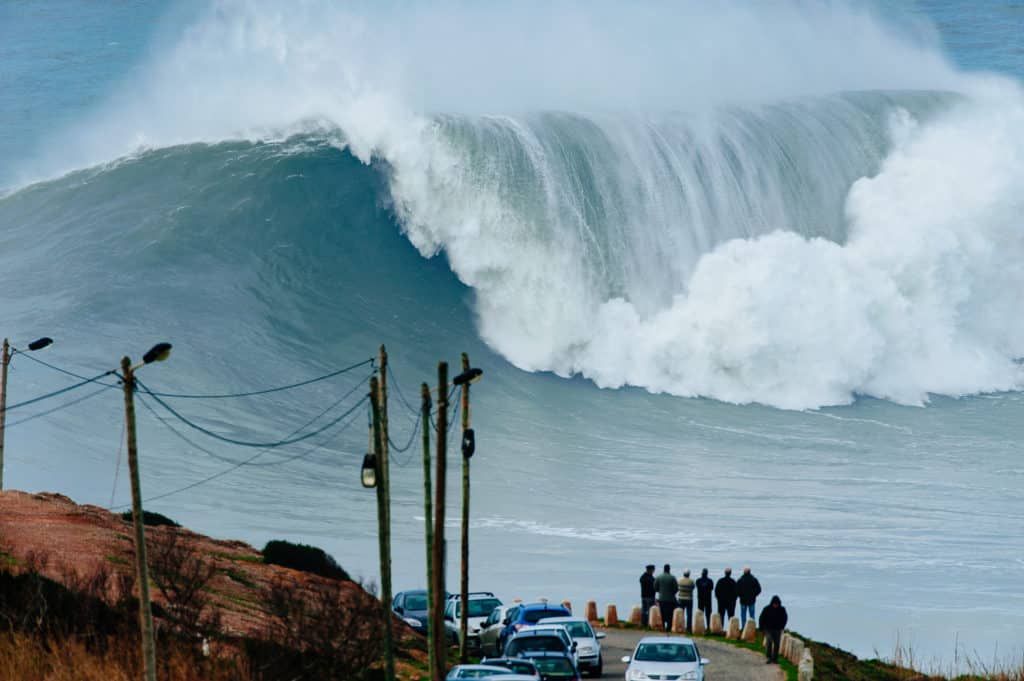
<point x="530" y="640"/>
<point x="476" y="671"/>
<point x="562" y="633"/>
<point x="665" y="657"/>
<point x="511" y="677"/>
<point x="516" y="664"/>
<point x="490" y="630"/>
<point x="478" y="608"/>
<point x="588" y="642"/>
<point x="554" y="666"/>
<point x="528" y="614"/>
<point x="411" y="606"/>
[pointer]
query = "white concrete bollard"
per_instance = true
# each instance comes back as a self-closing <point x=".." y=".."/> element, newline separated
<point x="784" y="645"/>
<point x="749" y="632"/>
<point x="611" y="616"/>
<point x="734" y="628"/>
<point x="591" y="611"/>
<point x="636" y="616"/>
<point x="805" y="670"/>
<point x="654" y="619"/>
<point x="699" y="627"/>
<point x="716" y="624"/>
<point x="679" y="621"/>
<point x="796" y="650"/>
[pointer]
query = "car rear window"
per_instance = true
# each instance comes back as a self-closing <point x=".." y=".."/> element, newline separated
<point x="547" y="644"/>
<point x="534" y="616"/>
<point x="415" y="602"/>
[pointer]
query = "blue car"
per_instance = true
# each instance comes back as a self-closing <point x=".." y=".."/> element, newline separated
<point x="526" y="615"/>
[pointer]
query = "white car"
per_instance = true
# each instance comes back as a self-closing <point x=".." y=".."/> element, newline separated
<point x="481" y="603"/>
<point x="562" y="632"/>
<point x="665" y="657"/>
<point x="476" y="671"/>
<point x="588" y="644"/>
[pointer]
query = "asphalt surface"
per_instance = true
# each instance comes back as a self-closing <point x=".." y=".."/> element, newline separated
<point x="727" y="662"/>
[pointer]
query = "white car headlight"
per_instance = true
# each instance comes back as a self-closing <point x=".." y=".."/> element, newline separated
<point x="587" y="650"/>
<point x="638" y="675"/>
<point x="689" y="675"/>
<point x="413" y="622"/>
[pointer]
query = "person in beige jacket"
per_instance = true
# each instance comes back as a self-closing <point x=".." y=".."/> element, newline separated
<point x="684" y="597"/>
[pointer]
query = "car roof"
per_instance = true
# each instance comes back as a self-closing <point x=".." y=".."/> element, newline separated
<point x="546" y="653"/>
<point x="495" y="660"/>
<point x="542" y="606"/>
<point x="497" y="670"/>
<point x="511" y="677"/>
<point x="562" y="620"/>
<point x="532" y="631"/>
<point x="412" y="592"/>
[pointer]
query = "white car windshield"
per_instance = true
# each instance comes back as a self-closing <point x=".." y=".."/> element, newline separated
<point x="665" y="652"/>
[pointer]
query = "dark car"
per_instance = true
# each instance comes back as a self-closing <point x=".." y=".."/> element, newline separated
<point x="554" y="666"/>
<point x="530" y="640"/>
<point x="517" y="664"/>
<point x="526" y="615"/>
<point x="412" y="607"/>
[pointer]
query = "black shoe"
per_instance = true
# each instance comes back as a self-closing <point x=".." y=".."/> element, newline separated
<point x="768" y="661"/>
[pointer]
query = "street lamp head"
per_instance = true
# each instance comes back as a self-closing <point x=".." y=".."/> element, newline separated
<point x="40" y="343"/>
<point x="368" y="475"/>
<point x="157" y="353"/>
<point x="468" y="376"/>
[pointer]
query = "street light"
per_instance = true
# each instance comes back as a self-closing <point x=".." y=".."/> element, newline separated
<point x="5" y="359"/>
<point x="157" y="353"/>
<point x="368" y="475"/>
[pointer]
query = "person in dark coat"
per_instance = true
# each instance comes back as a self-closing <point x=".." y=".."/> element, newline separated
<point x="748" y="589"/>
<point x="773" y="620"/>
<point x="725" y="594"/>
<point x="666" y="585"/>
<point x="647" y="592"/>
<point x="705" y="585"/>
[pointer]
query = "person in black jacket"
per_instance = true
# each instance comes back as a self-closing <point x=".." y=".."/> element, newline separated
<point x="773" y="620"/>
<point x="647" y="591"/>
<point x="705" y="585"/>
<point x="748" y="589"/>
<point x="725" y="594"/>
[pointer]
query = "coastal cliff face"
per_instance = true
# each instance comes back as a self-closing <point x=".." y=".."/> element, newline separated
<point x="70" y="543"/>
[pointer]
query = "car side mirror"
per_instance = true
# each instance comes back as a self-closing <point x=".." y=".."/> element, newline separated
<point x="704" y="661"/>
<point x="505" y="621"/>
<point x="574" y="645"/>
<point x="600" y="634"/>
<point x="449" y="618"/>
<point x="625" y="658"/>
<point x="399" y="609"/>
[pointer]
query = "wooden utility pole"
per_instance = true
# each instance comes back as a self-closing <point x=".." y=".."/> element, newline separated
<point x="141" y="569"/>
<point x="4" y="361"/>
<point x="428" y="516"/>
<point x="440" y="644"/>
<point x="383" y="528"/>
<point x="464" y="583"/>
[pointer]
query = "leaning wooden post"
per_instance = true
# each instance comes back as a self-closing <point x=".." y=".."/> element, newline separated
<point x="428" y="516"/>
<point x="440" y="478"/>
<point x="5" y="359"/>
<point x="141" y="569"/>
<point x="383" y="530"/>
<point x="464" y="605"/>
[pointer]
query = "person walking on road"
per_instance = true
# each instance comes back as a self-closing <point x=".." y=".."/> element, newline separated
<point x="747" y="588"/>
<point x="647" y="591"/>
<point x="773" y="621"/>
<point x="725" y="594"/>
<point x="666" y="586"/>
<point x="685" y="598"/>
<point x="705" y="585"/>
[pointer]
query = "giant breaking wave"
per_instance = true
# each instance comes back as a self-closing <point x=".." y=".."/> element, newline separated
<point x="752" y="237"/>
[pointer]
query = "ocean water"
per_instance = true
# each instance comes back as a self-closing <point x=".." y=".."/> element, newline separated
<point x="745" y="283"/>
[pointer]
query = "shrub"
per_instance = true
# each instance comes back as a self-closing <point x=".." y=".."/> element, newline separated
<point x="302" y="557"/>
<point x="151" y="518"/>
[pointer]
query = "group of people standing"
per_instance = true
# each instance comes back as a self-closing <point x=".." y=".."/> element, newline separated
<point x="668" y="593"/>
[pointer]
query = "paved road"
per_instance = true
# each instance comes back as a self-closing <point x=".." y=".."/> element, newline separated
<point x="727" y="663"/>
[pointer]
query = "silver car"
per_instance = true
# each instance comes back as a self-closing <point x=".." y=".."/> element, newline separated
<point x="665" y="657"/>
<point x="490" y="630"/>
<point x="476" y="671"/>
<point x="588" y="644"/>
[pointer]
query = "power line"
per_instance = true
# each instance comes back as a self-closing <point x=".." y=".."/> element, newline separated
<point x="69" y="388"/>
<point x="59" y="407"/>
<point x="236" y="466"/>
<point x="57" y="368"/>
<point x="264" y="391"/>
<point x="223" y="438"/>
<point x="225" y="459"/>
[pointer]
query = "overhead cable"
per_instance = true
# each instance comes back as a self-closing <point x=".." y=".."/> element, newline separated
<point x="264" y="391"/>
